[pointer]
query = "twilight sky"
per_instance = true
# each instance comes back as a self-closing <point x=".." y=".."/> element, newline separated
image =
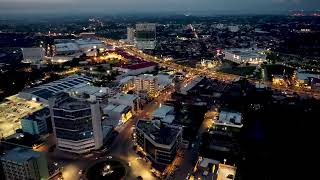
<point x="157" y="6"/>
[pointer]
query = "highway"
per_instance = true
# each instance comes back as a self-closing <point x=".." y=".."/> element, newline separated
<point x="121" y="147"/>
<point x="210" y="74"/>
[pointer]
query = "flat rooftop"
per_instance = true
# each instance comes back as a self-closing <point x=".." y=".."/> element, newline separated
<point x="206" y="169"/>
<point x="116" y="108"/>
<point x="20" y="155"/>
<point x="88" y="89"/>
<point x="229" y="119"/>
<point x="123" y="96"/>
<point x="146" y="77"/>
<point x="190" y="85"/>
<point x="247" y="52"/>
<point x="206" y="161"/>
<point x="72" y="103"/>
<point x="12" y="110"/>
<point x="226" y="172"/>
<point x="126" y="79"/>
<point x="168" y="119"/>
<point x="62" y="47"/>
<point x="305" y="75"/>
<point x="121" y="108"/>
<point x="40" y="113"/>
<point x="164" y="135"/>
<point x="48" y="90"/>
<point x="162" y="111"/>
<point x="88" y="41"/>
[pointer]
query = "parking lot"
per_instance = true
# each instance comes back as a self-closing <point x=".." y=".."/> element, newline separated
<point x="11" y="112"/>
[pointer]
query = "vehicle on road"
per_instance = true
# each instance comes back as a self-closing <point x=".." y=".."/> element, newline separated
<point x="188" y="176"/>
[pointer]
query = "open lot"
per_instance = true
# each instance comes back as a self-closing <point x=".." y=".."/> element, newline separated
<point x="11" y="112"/>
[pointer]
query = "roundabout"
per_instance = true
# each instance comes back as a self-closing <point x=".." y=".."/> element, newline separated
<point x="107" y="169"/>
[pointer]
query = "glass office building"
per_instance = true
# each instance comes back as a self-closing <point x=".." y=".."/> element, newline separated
<point x="76" y="124"/>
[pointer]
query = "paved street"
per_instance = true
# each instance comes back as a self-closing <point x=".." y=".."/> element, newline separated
<point x="210" y="74"/>
<point x="191" y="154"/>
<point x="121" y="148"/>
<point x="122" y="145"/>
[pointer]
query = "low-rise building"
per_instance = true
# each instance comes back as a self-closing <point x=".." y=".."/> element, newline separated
<point x="229" y="119"/>
<point x="226" y="172"/>
<point x="24" y="164"/>
<point x="68" y="48"/>
<point x="159" y="141"/>
<point x="315" y="84"/>
<point x="33" y="55"/>
<point x="164" y="80"/>
<point x="278" y="80"/>
<point x="130" y="100"/>
<point x="304" y="77"/>
<point x="164" y="113"/>
<point x="184" y="89"/>
<point x="36" y="123"/>
<point x="137" y="68"/>
<point x="234" y="28"/>
<point x="127" y="83"/>
<point x="87" y="44"/>
<point x="205" y="169"/>
<point x="117" y="114"/>
<point x="210" y="169"/>
<point x="249" y="55"/>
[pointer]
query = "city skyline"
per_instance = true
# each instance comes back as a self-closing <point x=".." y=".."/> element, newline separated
<point x="203" y="7"/>
<point x="158" y="89"/>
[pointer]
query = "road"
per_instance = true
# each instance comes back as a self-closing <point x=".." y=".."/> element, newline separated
<point x="209" y="74"/>
<point x="122" y="145"/>
<point x="121" y="148"/>
<point x="191" y="154"/>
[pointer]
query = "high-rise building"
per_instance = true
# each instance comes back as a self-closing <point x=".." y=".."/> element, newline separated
<point x="24" y="164"/>
<point x="145" y="36"/>
<point x="130" y="35"/>
<point x="76" y="123"/>
<point x="159" y="141"/>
